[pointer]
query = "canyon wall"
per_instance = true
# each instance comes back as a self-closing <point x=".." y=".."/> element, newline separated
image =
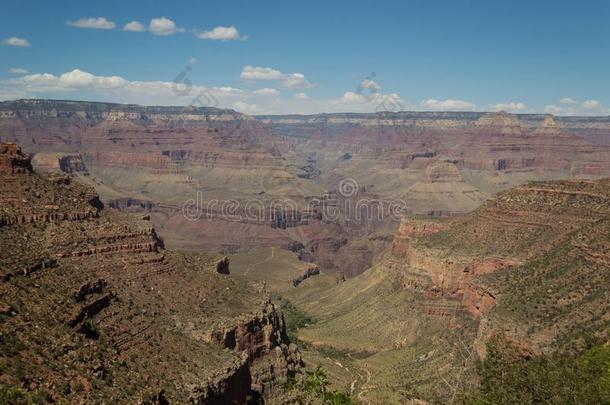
<point x="226" y="163"/>
<point x="98" y="311"/>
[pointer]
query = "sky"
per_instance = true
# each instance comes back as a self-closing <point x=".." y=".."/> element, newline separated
<point x="279" y="57"/>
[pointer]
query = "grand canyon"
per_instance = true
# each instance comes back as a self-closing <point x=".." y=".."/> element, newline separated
<point x="327" y="203"/>
<point x="204" y="255"/>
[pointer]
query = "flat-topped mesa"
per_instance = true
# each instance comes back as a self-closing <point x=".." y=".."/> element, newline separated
<point x="13" y="160"/>
<point x="501" y="122"/>
<point x="114" y="112"/>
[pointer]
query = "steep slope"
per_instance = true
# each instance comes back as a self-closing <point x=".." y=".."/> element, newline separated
<point x="531" y="265"/>
<point x="93" y="309"/>
<point x="129" y="146"/>
<point x="252" y="182"/>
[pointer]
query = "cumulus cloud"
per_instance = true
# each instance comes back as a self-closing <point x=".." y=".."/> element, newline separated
<point x="77" y="83"/>
<point x="252" y="73"/>
<point x="368" y="102"/>
<point x="15" y="41"/>
<point x="80" y="84"/>
<point x="510" y="107"/>
<point x="587" y="107"/>
<point x="288" y="80"/>
<point x="75" y="79"/>
<point x="447" y="105"/>
<point x="568" y="100"/>
<point x="221" y="33"/>
<point x="134" y="26"/>
<point x="18" y="71"/>
<point x="266" y="91"/>
<point x="369" y="85"/>
<point x="98" y="23"/>
<point x="163" y="26"/>
<point x="591" y="105"/>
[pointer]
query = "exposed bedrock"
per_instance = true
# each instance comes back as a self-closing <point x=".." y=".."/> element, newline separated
<point x="262" y="340"/>
<point x="59" y="162"/>
<point x="120" y="305"/>
<point x="529" y="264"/>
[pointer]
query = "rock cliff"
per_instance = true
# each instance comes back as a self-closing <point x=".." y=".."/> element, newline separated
<point x="99" y="311"/>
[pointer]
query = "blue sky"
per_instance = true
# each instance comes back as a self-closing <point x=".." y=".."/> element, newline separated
<point x="281" y="57"/>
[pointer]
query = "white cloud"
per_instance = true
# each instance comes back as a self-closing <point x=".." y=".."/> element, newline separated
<point x="134" y="26"/>
<point x="587" y="107"/>
<point x="568" y="100"/>
<point x="369" y="85"/>
<point x="370" y="102"/>
<point x="15" y="41"/>
<point x="73" y="80"/>
<point x="260" y="73"/>
<point x="99" y="23"/>
<point x="163" y="26"/>
<point x="352" y="97"/>
<point x="287" y="80"/>
<point x="193" y="61"/>
<point x="221" y="33"/>
<point x="510" y="107"/>
<point x="591" y="105"/>
<point x="553" y="109"/>
<point x="19" y="71"/>
<point x="80" y="84"/>
<point x="266" y="91"/>
<point x="296" y="81"/>
<point x="447" y="105"/>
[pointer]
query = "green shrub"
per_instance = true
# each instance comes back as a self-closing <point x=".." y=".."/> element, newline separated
<point x="314" y="388"/>
<point x="294" y="317"/>
<point x="509" y="378"/>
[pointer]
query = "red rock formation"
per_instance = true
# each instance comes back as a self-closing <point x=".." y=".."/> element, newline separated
<point x="94" y="292"/>
<point x="12" y="160"/>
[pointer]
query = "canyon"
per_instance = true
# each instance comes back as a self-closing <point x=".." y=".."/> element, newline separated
<point x="275" y="180"/>
<point x="167" y="253"/>
<point x="530" y="265"/>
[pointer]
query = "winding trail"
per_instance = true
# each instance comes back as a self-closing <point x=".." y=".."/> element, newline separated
<point x="261" y="262"/>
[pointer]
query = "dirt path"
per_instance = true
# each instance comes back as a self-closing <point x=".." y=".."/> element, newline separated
<point x="261" y="262"/>
<point x="365" y="387"/>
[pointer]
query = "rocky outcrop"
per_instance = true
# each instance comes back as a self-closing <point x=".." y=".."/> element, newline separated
<point x="520" y="265"/>
<point x="501" y="123"/>
<point x="231" y="386"/>
<point x="128" y="203"/>
<point x="89" y="296"/>
<point x="256" y="335"/>
<point x="311" y="271"/>
<point x="13" y="160"/>
<point x="222" y="266"/>
<point x="59" y="162"/>
<point x="262" y="341"/>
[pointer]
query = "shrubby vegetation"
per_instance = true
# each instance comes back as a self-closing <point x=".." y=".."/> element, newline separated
<point x="314" y="389"/>
<point x="509" y="378"/>
<point x="17" y="396"/>
<point x="294" y="317"/>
